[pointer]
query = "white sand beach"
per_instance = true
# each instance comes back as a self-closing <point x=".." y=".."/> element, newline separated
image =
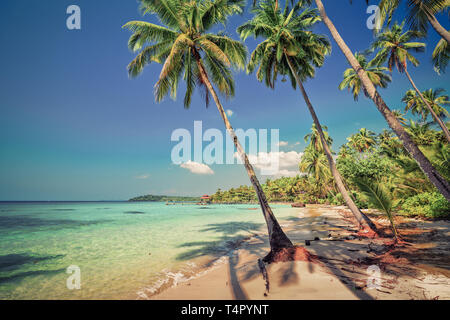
<point x="419" y="269"/>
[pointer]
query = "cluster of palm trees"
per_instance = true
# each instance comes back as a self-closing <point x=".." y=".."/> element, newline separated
<point x="188" y="50"/>
<point x="284" y="189"/>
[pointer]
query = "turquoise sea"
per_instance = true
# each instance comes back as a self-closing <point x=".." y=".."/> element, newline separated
<point x="124" y="250"/>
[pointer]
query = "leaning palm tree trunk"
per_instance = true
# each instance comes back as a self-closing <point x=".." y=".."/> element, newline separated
<point x="425" y="165"/>
<point x="439" y="28"/>
<point x="277" y="238"/>
<point x="435" y="116"/>
<point x="362" y="219"/>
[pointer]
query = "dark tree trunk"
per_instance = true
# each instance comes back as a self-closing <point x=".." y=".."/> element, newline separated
<point x="362" y="219"/>
<point x="277" y="238"/>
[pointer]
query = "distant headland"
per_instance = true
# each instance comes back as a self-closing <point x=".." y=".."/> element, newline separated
<point x="161" y="198"/>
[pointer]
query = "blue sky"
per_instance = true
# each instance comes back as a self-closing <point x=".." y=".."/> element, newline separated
<point x="73" y="126"/>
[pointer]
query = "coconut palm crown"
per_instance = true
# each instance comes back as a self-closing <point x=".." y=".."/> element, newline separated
<point x="182" y="41"/>
<point x="286" y="32"/>
<point x="419" y="13"/>
<point x="376" y="73"/>
<point x="436" y="98"/>
<point x="395" y="47"/>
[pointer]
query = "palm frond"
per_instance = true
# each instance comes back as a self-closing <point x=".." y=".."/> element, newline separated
<point x="379" y="197"/>
<point x="441" y="56"/>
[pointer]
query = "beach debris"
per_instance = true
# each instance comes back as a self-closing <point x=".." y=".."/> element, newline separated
<point x="298" y="205"/>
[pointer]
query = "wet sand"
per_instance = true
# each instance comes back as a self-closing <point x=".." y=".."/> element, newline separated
<point x="419" y="269"/>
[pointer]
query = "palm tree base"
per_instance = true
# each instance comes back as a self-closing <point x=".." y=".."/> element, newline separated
<point x="294" y="253"/>
<point x="371" y="227"/>
<point x="367" y="232"/>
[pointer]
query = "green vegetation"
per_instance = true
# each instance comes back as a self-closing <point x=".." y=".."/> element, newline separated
<point x="380" y="175"/>
<point x="154" y="198"/>
<point x="428" y="204"/>
<point x="419" y="16"/>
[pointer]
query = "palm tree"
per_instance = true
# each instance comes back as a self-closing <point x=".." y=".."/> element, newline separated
<point x="188" y="50"/>
<point x="435" y="98"/>
<point x="421" y="133"/>
<point x="367" y="138"/>
<point x="354" y="143"/>
<point x="291" y="48"/>
<point x="363" y="140"/>
<point x="385" y="136"/>
<point x="420" y="14"/>
<point x="440" y="56"/>
<point x="425" y="165"/>
<point x="376" y="74"/>
<point x="389" y="144"/>
<point x="395" y="47"/>
<point x="313" y="138"/>
<point x="314" y="163"/>
<point x="344" y="151"/>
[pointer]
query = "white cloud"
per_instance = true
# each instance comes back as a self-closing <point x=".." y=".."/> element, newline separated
<point x="283" y="144"/>
<point x="266" y="162"/>
<point x="229" y="112"/>
<point x="143" y="176"/>
<point x="197" y="168"/>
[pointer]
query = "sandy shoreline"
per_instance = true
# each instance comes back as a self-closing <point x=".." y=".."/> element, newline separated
<point x="419" y="270"/>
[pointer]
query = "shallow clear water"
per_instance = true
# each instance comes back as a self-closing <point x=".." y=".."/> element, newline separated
<point x="123" y="249"/>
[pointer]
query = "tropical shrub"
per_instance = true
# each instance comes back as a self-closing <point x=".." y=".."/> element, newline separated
<point x="368" y="165"/>
<point x="428" y="204"/>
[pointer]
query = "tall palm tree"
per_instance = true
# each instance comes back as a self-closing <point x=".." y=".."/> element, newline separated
<point x="376" y="74"/>
<point x="291" y="48"/>
<point x="395" y="47"/>
<point x="425" y="165"/>
<point x="188" y="50"/>
<point x="313" y="138"/>
<point x="314" y="163"/>
<point x="435" y="98"/>
<point x="420" y="14"/>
